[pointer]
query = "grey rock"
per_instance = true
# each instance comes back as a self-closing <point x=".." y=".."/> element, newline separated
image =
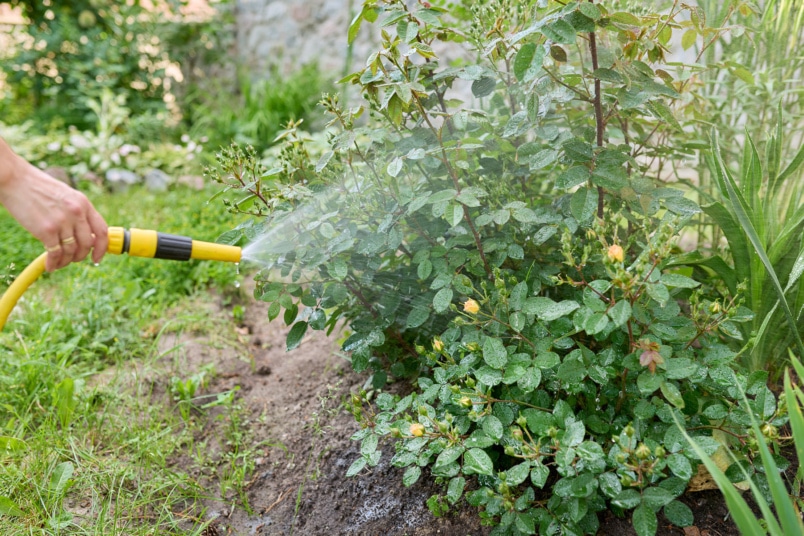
<point x="119" y="180"/>
<point x="157" y="180"/>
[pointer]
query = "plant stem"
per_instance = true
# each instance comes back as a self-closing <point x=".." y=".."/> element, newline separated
<point x="600" y="123"/>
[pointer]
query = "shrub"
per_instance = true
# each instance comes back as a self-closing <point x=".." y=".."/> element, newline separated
<point x="512" y="254"/>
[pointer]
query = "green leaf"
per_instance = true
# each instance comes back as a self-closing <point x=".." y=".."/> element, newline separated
<point x="658" y="292"/>
<point x="583" y="204"/>
<point x="542" y="159"/>
<point x="559" y="31"/>
<point x="688" y="39"/>
<point x="395" y="167"/>
<point x="672" y="394"/>
<point x="523" y="60"/>
<point x="483" y="87"/>
<point x="418" y="315"/>
<point x="356" y="466"/>
<point x="680" y="465"/>
<point x="627" y="499"/>
<point x="442" y="299"/>
<point x="679" y="514"/>
<point x="411" y="475"/>
<point x="644" y="521"/>
<point x="655" y="497"/>
<point x="354" y="27"/>
<point x="539" y="474"/>
<point x="477" y="462"/>
<point x="9" y="508"/>
<point x="748" y="228"/>
<point x="620" y="313"/>
<point x="547" y="309"/>
<point x="625" y="18"/>
<point x="60" y="478"/>
<point x="12" y="445"/>
<point x="573" y="177"/>
<point x="455" y="489"/>
<point x="494" y="353"/>
<point x="295" y="335"/>
<point x="447" y="456"/>
<point x="590" y="10"/>
<point x="678" y="281"/>
<point x="610" y="485"/>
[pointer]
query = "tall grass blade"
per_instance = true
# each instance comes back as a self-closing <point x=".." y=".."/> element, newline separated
<point x="745" y="222"/>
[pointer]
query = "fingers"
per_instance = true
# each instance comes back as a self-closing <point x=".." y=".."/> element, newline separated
<point x="100" y="232"/>
<point x="54" y="256"/>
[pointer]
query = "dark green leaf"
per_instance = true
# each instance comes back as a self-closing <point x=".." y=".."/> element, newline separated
<point x="296" y="334"/>
<point x="583" y="204"/>
<point x="644" y="521"/>
<point x="477" y="462"/>
<point x="679" y="514"/>
<point x="559" y="31"/>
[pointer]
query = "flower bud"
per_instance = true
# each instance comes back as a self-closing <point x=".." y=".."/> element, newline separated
<point x="642" y="451"/>
<point x="395" y="432"/>
<point x="466" y="402"/>
<point x="422" y="411"/>
<point x="615" y="253"/>
<point x="470" y="382"/>
<point x="715" y="308"/>
<point x="471" y="306"/>
<point x="416" y="429"/>
<point x="443" y="427"/>
<point x="522" y="421"/>
<point x="552" y="432"/>
<point x="510" y="451"/>
<point x="621" y="457"/>
<point x="626" y="480"/>
<point x="770" y="431"/>
<point x="659" y="452"/>
<point x="516" y="432"/>
<point x="629" y="430"/>
<point x="438" y="345"/>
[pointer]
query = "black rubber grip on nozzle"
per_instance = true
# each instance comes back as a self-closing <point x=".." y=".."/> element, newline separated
<point x="173" y="247"/>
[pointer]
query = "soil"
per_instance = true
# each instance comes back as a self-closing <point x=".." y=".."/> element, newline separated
<point x="300" y="435"/>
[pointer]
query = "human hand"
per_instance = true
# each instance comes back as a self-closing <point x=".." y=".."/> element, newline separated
<point x="62" y="218"/>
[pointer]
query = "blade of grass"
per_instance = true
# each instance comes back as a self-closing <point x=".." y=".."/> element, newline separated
<point x="745" y="222"/>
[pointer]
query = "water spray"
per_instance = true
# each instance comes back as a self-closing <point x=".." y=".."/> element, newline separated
<point x="135" y="242"/>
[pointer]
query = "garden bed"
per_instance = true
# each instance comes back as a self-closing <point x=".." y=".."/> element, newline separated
<point x="300" y="433"/>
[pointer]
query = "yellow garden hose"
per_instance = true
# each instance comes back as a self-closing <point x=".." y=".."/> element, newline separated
<point x="135" y="242"/>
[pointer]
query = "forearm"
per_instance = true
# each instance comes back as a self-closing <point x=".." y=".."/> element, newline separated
<point x="11" y="167"/>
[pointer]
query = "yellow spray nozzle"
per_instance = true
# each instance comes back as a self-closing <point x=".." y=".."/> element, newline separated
<point x="151" y="244"/>
<point x="135" y="242"/>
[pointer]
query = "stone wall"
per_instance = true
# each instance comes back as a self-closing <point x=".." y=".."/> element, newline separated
<point x="293" y="32"/>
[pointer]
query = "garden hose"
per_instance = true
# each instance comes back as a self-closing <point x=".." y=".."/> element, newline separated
<point x="135" y="242"/>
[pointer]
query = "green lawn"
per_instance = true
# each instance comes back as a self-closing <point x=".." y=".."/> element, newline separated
<point x="86" y="454"/>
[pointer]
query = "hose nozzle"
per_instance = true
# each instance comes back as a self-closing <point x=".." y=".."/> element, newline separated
<point x="155" y="245"/>
<point x="135" y="242"/>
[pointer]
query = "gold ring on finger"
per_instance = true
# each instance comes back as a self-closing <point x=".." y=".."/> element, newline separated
<point x="53" y="249"/>
<point x="68" y="240"/>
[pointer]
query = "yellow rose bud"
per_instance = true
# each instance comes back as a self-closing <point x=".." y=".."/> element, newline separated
<point x="615" y="253"/>
<point x="417" y="429"/>
<point x="438" y="345"/>
<point x="471" y="306"/>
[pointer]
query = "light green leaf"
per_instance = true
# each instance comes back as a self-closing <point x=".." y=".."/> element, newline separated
<point x="9" y="508"/>
<point x="356" y="466"/>
<point x="494" y="353"/>
<point x="583" y="203"/>
<point x="442" y="299"/>
<point x="411" y="475"/>
<point x="678" y="281"/>
<point x="60" y="478"/>
<point x="447" y="456"/>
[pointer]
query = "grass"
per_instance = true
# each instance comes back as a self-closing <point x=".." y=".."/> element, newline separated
<point x="89" y="427"/>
